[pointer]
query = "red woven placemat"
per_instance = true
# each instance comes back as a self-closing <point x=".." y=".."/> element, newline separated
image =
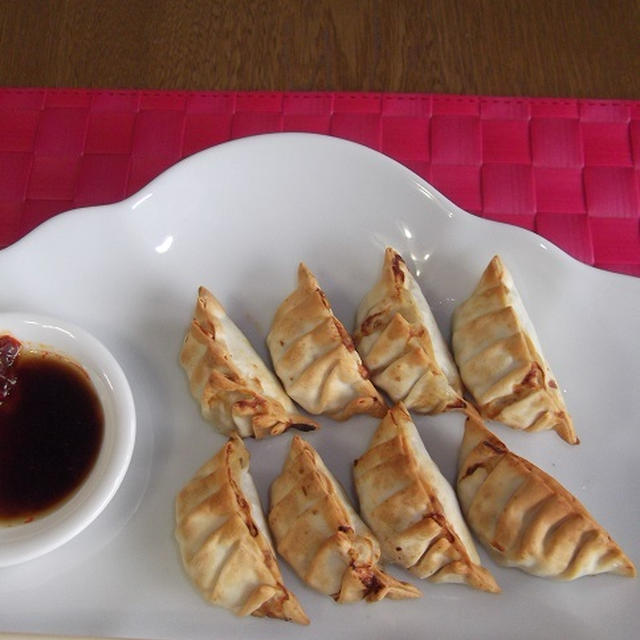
<point x="568" y="169"/>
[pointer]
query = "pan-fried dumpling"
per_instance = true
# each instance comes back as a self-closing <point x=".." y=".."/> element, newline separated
<point x="501" y="361"/>
<point x="322" y="537"/>
<point x="315" y="358"/>
<point x="525" y="518"/>
<point x="413" y="510"/>
<point x="401" y="345"/>
<point x="224" y="540"/>
<point x="236" y="391"/>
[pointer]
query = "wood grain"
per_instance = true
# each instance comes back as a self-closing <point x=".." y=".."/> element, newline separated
<point x="577" y="48"/>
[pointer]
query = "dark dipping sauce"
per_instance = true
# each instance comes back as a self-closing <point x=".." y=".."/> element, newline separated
<point x="51" y="430"/>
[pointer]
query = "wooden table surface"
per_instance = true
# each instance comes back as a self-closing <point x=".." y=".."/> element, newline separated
<point x="570" y="48"/>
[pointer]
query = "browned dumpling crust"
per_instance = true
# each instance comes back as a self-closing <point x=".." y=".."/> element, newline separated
<point x="320" y="535"/>
<point x="401" y="344"/>
<point x="237" y="393"/>
<point x="413" y="510"/>
<point x="224" y="541"/>
<point x="314" y="356"/>
<point x="501" y="361"/>
<point x="525" y="518"/>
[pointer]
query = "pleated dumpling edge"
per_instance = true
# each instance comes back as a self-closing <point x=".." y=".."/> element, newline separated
<point x="321" y="536"/>
<point x="500" y="358"/>
<point x="413" y="510"/>
<point x="401" y="344"/>
<point x="525" y="518"/>
<point x="234" y="388"/>
<point x="224" y="542"/>
<point x="315" y="358"/>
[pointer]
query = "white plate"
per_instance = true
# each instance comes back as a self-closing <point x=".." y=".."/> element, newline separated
<point x="238" y="218"/>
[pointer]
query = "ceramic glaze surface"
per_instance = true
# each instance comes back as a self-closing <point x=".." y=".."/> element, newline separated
<point x="238" y="219"/>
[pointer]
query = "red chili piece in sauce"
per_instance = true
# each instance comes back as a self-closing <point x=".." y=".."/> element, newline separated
<point x="9" y="350"/>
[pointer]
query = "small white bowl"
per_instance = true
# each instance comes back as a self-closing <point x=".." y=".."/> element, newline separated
<point x="22" y="542"/>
